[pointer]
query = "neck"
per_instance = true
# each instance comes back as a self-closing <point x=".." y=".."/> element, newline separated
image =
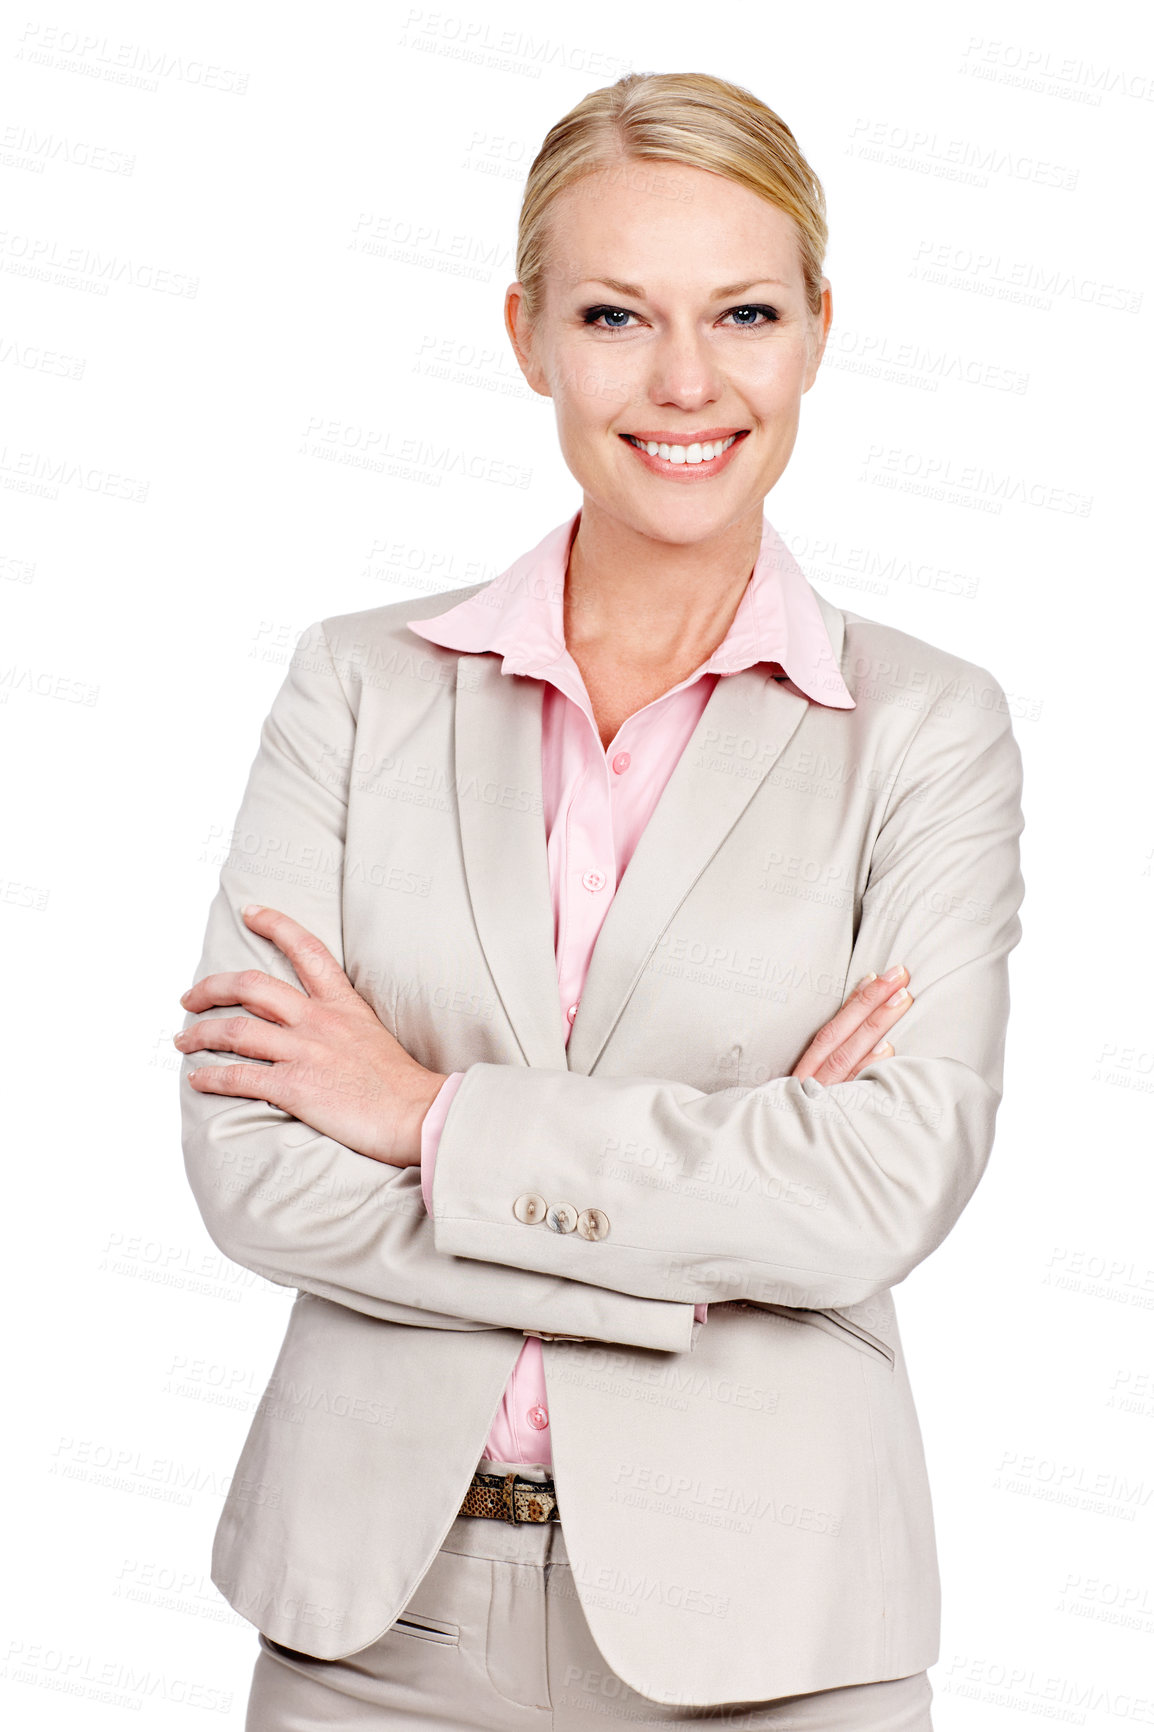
<point x="654" y="603"/>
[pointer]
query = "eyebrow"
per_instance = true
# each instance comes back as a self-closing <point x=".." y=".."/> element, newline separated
<point x="635" y="292"/>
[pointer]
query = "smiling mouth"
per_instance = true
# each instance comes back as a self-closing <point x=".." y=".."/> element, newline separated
<point x="704" y="451"/>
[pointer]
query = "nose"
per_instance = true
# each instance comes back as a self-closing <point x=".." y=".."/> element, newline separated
<point x="684" y="372"/>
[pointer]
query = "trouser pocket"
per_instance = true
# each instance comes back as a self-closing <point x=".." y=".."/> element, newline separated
<point x="427" y="1629"/>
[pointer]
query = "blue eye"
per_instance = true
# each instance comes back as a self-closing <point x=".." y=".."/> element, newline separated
<point x="613" y="314"/>
<point x="770" y="313"/>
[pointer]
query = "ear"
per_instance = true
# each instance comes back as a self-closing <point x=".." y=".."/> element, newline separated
<point x="521" y="335"/>
<point x="818" y="332"/>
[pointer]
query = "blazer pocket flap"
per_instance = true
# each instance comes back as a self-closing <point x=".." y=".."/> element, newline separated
<point x="833" y="1323"/>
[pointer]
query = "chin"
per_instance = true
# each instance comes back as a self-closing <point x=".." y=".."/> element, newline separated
<point x="681" y="519"/>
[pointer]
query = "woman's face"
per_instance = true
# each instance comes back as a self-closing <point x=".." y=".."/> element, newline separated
<point x="674" y="314"/>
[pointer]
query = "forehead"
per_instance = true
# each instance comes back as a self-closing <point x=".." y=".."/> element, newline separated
<point x="658" y="223"/>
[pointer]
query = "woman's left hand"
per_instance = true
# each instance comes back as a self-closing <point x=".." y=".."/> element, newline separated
<point x="334" y="1065"/>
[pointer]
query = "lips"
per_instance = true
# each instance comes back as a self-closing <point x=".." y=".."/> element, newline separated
<point x="684" y="455"/>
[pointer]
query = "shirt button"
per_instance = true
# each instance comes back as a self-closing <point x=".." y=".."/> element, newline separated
<point x="593" y="1224"/>
<point x="571" y="1013"/>
<point x="562" y="1217"/>
<point x="530" y="1208"/>
<point x="621" y="763"/>
<point x="593" y="880"/>
<point x="538" y="1418"/>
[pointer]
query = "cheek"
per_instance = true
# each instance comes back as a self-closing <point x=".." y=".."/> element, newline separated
<point x="774" y="384"/>
<point x="589" y="390"/>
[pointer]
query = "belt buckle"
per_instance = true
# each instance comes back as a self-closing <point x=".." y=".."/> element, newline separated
<point x="509" y="1502"/>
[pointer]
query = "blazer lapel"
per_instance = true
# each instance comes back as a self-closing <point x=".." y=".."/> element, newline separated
<point x="703" y="799"/>
<point x="499" y="801"/>
<point x="709" y="789"/>
<point x="499" y="797"/>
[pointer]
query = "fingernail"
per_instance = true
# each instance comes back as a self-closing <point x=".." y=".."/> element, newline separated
<point x="894" y="973"/>
<point x="882" y="1046"/>
<point x="251" y="908"/>
<point x="184" y="996"/>
<point x="864" y="981"/>
<point x="897" y="997"/>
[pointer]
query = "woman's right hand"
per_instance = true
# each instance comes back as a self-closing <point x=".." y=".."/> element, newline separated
<point x="856" y="1036"/>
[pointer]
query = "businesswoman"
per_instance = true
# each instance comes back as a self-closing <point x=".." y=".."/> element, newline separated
<point x="541" y="1039"/>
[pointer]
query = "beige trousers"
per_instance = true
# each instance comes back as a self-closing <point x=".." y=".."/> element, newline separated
<point x="494" y="1637"/>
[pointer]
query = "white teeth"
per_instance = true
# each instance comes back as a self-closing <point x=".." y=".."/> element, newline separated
<point x="703" y="452"/>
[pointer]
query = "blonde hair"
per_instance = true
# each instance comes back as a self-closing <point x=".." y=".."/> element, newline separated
<point x="686" y="117"/>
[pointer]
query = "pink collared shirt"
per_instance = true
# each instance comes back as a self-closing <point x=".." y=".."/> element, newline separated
<point x="598" y="800"/>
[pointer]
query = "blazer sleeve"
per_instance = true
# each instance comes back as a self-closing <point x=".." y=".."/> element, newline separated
<point x="790" y="1192"/>
<point x="276" y="1196"/>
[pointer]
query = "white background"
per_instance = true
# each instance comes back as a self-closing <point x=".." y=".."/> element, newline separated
<point x="241" y="243"/>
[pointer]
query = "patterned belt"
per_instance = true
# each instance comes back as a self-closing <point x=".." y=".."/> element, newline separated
<point x="506" y="1497"/>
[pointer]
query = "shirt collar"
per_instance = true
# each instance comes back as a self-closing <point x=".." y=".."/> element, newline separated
<point x="520" y="615"/>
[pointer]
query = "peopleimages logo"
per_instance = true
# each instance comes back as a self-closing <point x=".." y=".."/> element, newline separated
<point x="968" y="483"/>
<point x="1022" y="281"/>
<point x="1041" y="70"/>
<point x="896" y="145"/>
<point x="502" y="50"/>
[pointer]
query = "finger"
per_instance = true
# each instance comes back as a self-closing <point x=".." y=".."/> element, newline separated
<point x="859" y="989"/>
<point x="273" y="999"/>
<point x="250" y="1081"/>
<point x="865" y="1001"/>
<point x="859" y="1045"/>
<point x="884" y="1049"/>
<point x="862" y="1003"/>
<point x="317" y="968"/>
<point x="250" y="1036"/>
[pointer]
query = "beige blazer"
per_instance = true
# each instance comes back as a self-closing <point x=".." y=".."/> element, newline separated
<point x="745" y="1502"/>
